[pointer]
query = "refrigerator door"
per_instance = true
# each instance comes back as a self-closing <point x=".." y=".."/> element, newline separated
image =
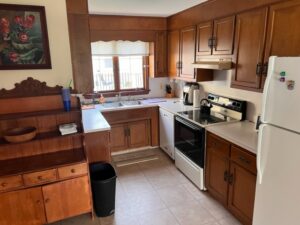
<point x="280" y="104"/>
<point x="277" y="196"/>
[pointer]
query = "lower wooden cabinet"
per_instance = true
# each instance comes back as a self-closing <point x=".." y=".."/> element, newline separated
<point x="130" y="135"/>
<point x="230" y="176"/>
<point x="24" y="207"/>
<point x="66" y="199"/>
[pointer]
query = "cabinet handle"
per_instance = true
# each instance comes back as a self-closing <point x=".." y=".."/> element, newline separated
<point x="259" y="68"/>
<point x="4" y="184"/>
<point x="244" y="160"/>
<point x="230" y="179"/>
<point x="40" y="178"/>
<point x="214" y="42"/>
<point x="226" y="176"/>
<point x="73" y="170"/>
<point x="128" y="131"/>
<point x="210" y="43"/>
<point x="47" y="200"/>
<point x="265" y="69"/>
<point x="38" y="202"/>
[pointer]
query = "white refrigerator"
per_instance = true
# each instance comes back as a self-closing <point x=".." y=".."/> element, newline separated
<point x="277" y="199"/>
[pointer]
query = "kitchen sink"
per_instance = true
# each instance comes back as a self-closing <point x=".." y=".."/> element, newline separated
<point x="131" y="103"/>
<point x="112" y="105"/>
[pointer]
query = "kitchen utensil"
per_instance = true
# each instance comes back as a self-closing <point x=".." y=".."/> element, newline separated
<point x="205" y="106"/>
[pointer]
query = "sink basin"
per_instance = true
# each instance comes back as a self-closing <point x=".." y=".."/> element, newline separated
<point x="112" y="105"/>
<point x="131" y="103"/>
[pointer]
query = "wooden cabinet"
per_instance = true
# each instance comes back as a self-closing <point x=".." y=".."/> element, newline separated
<point x="173" y="53"/>
<point x="230" y="177"/>
<point x="130" y="135"/>
<point x="216" y="37"/>
<point x="249" y="48"/>
<point x="66" y="199"/>
<point x="160" y="55"/>
<point x="24" y="207"/>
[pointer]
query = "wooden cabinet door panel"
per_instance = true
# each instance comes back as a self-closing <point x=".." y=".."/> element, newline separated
<point x="204" y="33"/>
<point x="66" y="199"/>
<point x="224" y="36"/>
<point x="283" y="37"/>
<point x="161" y="54"/>
<point x="24" y="207"/>
<point x="118" y="138"/>
<point x="138" y="134"/>
<point x="187" y="52"/>
<point x="249" y="47"/>
<point x="173" y="53"/>
<point x="217" y="168"/>
<point x="242" y="193"/>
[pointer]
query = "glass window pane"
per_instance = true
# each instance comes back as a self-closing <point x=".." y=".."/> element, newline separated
<point x="103" y="73"/>
<point x="131" y="72"/>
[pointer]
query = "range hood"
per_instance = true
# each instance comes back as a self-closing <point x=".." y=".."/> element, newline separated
<point x="213" y="65"/>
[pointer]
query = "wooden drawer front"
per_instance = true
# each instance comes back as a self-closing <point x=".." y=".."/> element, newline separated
<point x="7" y="183"/>
<point x="71" y="171"/>
<point x="218" y="145"/>
<point x="40" y="177"/>
<point x="243" y="159"/>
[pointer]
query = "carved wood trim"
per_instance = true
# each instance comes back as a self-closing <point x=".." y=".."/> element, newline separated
<point x="30" y="88"/>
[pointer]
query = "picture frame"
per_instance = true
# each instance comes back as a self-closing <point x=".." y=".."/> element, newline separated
<point x="24" y="42"/>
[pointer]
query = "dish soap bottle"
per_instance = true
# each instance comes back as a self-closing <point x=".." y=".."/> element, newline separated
<point x="102" y="99"/>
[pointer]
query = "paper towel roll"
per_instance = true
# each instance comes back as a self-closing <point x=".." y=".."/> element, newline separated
<point x="196" y="99"/>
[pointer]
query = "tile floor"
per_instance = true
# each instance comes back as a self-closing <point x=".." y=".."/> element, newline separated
<point x="156" y="193"/>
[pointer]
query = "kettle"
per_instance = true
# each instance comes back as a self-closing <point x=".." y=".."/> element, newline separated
<point x="205" y="106"/>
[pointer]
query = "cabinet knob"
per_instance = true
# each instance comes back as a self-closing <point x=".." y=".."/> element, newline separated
<point x="4" y="184"/>
<point x="47" y="200"/>
<point x="73" y="170"/>
<point x="40" y="177"/>
<point x="38" y="202"/>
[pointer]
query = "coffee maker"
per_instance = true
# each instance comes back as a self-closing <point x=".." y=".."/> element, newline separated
<point x="188" y="93"/>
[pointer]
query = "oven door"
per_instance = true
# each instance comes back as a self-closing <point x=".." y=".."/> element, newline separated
<point x="190" y="140"/>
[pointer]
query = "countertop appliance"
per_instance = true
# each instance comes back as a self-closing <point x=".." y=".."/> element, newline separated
<point x="188" y="93"/>
<point x="277" y="196"/>
<point x="190" y="134"/>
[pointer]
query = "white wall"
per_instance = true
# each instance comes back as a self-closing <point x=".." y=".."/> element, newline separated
<point x="221" y="86"/>
<point x="61" y="71"/>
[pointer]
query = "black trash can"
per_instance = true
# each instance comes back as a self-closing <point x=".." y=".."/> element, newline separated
<point x="103" y="179"/>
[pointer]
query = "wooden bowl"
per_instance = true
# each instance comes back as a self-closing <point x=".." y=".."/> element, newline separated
<point x="20" y="134"/>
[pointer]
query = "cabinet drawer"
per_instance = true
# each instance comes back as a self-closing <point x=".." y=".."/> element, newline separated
<point x="40" y="177"/>
<point x="244" y="159"/>
<point x="73" y="170"/>
<point x="217" y="145"/>
<point x="7" y="183"/>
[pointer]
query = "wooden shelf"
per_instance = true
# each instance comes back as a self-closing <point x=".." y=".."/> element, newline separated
<point x="43" y="136"/>
<point x="41" y="162"/>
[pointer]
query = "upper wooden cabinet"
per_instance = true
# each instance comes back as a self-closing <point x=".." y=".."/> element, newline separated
<point x="161" y="54"/>
<point x="216" y="37"/>
<point x="283" y="36"/>
<point x="173" y="53"/>
<point x="249" y="48"/>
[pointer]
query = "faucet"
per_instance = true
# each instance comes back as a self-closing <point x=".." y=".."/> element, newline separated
<point x="119" y="97"/>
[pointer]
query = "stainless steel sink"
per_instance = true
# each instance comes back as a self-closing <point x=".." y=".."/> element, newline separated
<point x="131" y="103"/>
<point x="112" y="105"/>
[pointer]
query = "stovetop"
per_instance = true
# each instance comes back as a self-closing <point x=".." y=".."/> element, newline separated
<point x="205" y="119"/>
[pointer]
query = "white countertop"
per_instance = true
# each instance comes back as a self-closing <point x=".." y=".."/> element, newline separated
<point x="241" y="133"/>
<point x="94" y="121"/>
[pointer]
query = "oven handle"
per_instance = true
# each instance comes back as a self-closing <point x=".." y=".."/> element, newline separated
<point x="190" y="125"/>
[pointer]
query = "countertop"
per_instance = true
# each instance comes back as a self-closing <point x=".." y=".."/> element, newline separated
<point x="241" y="133"/>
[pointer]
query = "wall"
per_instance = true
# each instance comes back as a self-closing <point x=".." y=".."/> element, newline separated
<point x="221" y="86"/>
<point x="61" y="71"/>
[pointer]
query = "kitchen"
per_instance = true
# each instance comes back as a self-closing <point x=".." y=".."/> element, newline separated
<point x="142" y="62"/>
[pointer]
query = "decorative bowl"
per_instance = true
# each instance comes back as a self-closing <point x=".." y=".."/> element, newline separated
<point x="20" y="134"/>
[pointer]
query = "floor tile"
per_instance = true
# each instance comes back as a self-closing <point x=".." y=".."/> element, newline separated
<point x="162" y="217"/>
<point x="196" y="192"/>
<point x="192" y="213"/>
<point x="214" y="207"/>
<point x="119" y="219"/>
<point x="174" y="195"/>
<point x="229" y="221"/>
<point x="81" y="220"/>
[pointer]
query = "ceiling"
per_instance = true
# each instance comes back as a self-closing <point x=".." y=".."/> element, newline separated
<point x="159" y="8"/>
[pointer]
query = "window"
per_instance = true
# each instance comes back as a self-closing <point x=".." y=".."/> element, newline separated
<point x="120" y="66"/>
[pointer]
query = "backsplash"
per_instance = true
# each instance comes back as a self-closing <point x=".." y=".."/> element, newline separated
<point x="221" y="86"/>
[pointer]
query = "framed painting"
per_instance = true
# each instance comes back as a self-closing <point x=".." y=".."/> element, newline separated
<point x="23" y="38"/>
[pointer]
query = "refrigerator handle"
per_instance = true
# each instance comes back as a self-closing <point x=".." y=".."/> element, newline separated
<point x="259" y="155"/>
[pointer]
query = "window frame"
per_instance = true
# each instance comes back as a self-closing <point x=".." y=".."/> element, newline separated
<point x="136" y="91"/>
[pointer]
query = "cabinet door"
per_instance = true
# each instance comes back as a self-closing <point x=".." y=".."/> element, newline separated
<point x="173" y="53"/>
<point x="187" y="52"/>
<point x="166" y="131"/>
<point x="118" y="138"/>
<point x="138" y="134"/>
<point x="161" y="54"/>
<point x="217" y="167"/>
<point x="241" y="193"/>
<point x="223" y="36"/>
<point x="204" y="34"/>
<point x="249" y="47"/>
<point x="66" y="199"/>
<point x="24" y="207"/>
